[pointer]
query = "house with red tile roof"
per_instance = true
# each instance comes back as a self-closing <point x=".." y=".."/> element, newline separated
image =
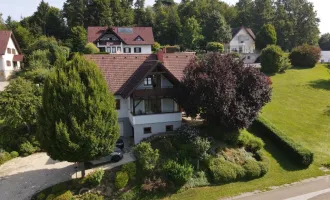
<point x="144" y="87"/>
<point x="243" y="42"/>
<point x="11" y="56"/>
<point x="122" y="40"/>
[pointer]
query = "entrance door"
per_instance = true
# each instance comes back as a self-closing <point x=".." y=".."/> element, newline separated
<point x="121" y="127"/>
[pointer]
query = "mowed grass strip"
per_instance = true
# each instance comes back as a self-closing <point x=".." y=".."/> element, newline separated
<point x="300" y="107"/>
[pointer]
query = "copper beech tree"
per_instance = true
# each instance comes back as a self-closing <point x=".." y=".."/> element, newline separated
<point x="224" y="91"/>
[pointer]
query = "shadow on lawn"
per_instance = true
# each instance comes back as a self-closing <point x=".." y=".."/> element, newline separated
<point x="320" y="84"/>
<point x="278" y="154"/>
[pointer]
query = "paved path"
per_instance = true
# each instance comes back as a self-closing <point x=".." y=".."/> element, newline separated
<point x="3" y="84"/>
<point x="20" y="178"/>
<point x="311" y="189"/>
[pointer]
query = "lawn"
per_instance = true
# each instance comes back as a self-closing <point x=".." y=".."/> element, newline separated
<point x="300" y="107"/>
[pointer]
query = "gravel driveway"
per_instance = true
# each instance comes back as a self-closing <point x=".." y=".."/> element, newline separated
<point x="20" y="178"/>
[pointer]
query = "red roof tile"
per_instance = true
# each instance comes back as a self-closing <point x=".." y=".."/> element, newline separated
<point x="145" y="33"/>
<point x="123" y="72"/>
<point x="4" y="39"/>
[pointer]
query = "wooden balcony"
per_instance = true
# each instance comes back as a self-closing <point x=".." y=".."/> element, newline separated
<point x="155" y="92"/>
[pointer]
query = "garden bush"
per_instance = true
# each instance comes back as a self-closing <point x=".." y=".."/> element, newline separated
<point x="14" y="154"/>
<point x="305" y="56"/>
<point x="129" y="195"/>
<point x="273" y="59"/>
<point x="199" y="179"/>
<point x="252" y="169"/>
<point x="250" y="142"/>
<point x="64" y="196"/>
<point x="130" y="168"/>
<point x="178" y="173"/>
<point x="41" y="196"/>
<point x="153" y="184"/>
<point x="59" y="188"/>
<point x="223" y="171"/>
<point x="90" y="196"/>
<point x="300" y="154"/>
<point x="90" y="48"/>
<point x="26" y="148"/>
<point x="51" y="197"/>
<point x="121" y="180"/>
<point x="215" y="47"/>
<point x="156" y="46"/>
<point x="147" y="157"/>
<point x="4" y="157"/>
<point x="94" y="179"/>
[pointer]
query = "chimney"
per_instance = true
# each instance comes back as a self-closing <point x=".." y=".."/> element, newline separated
<point x="160" y="54"/>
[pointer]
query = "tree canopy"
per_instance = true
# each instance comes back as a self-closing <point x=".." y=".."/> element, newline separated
<point x="266" y="36"/>
<point x="223" y="91"/>
<point x="324" y="42"/>
<point x="77" y="120"/>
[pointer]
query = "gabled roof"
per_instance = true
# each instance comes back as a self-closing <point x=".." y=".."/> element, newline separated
<point x="124" y="73"/>
<point x="4" y="39"/>
<point x="235" y="31"/>
<point x="94" y="33"/>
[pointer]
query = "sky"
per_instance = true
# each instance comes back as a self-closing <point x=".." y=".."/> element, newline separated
<point x="23" y="8"/>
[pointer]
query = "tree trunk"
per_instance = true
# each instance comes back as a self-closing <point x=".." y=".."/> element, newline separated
<point x="197" y="164"/>
<point x="83" y="171"/>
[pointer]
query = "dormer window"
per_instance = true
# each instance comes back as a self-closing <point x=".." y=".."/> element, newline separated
<point x="138" y="38"/>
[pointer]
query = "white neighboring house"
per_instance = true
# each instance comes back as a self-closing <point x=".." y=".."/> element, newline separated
<point x="144" y="87"/>
<point x="243" y="42"/>
<point x="122" y="40"/>
<point x="10" y="55"/>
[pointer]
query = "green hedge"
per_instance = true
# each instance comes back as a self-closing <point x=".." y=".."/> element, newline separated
<point x="300" y="154"/>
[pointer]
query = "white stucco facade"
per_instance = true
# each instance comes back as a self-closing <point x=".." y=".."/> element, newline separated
<point x="134" y="125"/>
<point x="242" y="42"/>
<point x="119" y="48"/>
<point x="7" y="65"/>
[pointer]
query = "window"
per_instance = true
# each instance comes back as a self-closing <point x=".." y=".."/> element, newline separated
<point x="119" y="49"/>
<point x="152" y="106"/>
<point x="13" y="51"/>
<point x="8" y="63"/>
<point x="109" y="49"/>
<point x="147" y="130"/>
<point x="15" y="64"/>
<point x="113" y="49"/>
<point x="102" y="49"/>
<point x="127" y="50"/>
<point x="137" y="49"/>
<point x="8" y="50"/>
<point x="138" y="38"/>
<point x="148" y="81"/>
<point x="117" y="104"/>
<point x="169" y="128"/>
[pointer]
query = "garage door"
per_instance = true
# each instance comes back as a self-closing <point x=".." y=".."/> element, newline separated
<point x="121" y="126"/>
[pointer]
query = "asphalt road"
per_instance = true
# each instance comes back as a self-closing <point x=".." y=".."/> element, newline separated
<point x="312" y="189"/>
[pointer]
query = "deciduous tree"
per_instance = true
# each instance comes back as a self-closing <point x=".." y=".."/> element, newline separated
<point x="192" y="34"/>
<point x="324" y="42"/>
<point x="266" y="36"/>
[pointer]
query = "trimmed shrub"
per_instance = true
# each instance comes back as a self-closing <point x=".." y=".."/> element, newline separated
<point x="147" y="157"/>
<point x="273" y="59"/>
<point x="41" y="196"/>
<point x="94" y="179"/>
<point x="129" y="195"/>
<point x="156" y="46"/>
<point x="59" y="188"/>
<point x="65" y="196"/>
<point x="51" y="197"/>
<point x="300" y="154"/>
<point x="121" y="180"/>
<point x="130" y="168"/>
<point x="215" y="47"/>
<point x="177" y="173"/>
<point x="91" y="196"/>
<point x="249" y="141"/>
<point x="90" y="48"/>
<point x="14" y="154"/>
<point x="222" y="170"/>
<point x="305" y="56"/>
<point x="252" y="169"/>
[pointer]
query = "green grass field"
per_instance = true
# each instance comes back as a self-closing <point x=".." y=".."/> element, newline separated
<point x="300" y="107"/>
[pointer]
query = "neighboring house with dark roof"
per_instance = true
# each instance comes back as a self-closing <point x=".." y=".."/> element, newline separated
<point x="243" y="42"/>
<point x="10" y="55"/>
<point x="144" y="87"/>
<point x="124" y="40"/>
